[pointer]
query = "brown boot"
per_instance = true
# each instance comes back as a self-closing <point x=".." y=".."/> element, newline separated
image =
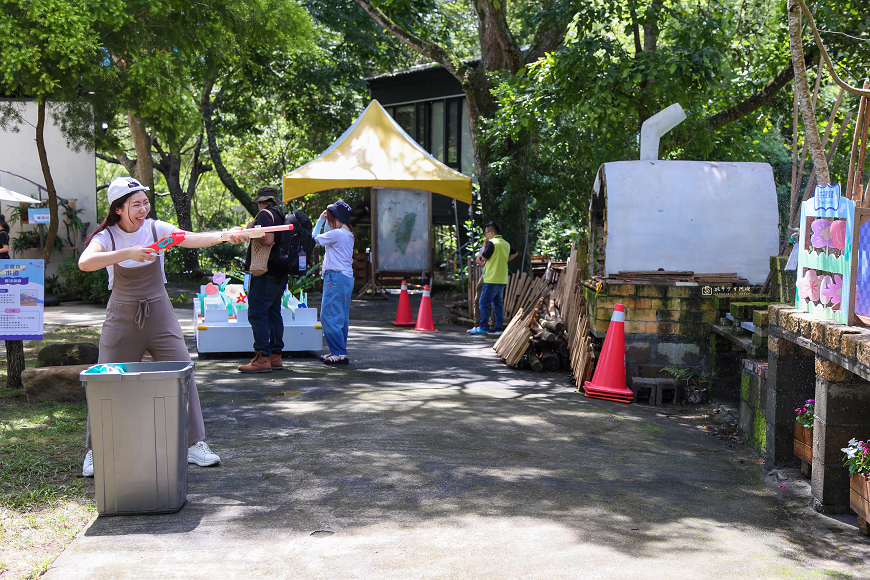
<point x="275" y="361"/>
<point x="259" y="364"/>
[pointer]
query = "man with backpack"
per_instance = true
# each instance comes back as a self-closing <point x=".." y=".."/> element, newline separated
<point x="290" y="254"/>
<point x="265" y="291"/>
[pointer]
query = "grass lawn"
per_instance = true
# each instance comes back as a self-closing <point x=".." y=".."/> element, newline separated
<point x="44" y="502"/>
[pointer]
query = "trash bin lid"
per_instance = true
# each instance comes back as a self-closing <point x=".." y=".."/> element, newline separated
<point x="137" y="371"/>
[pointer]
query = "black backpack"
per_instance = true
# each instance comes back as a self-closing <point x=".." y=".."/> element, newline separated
<point x="288" y="245"/>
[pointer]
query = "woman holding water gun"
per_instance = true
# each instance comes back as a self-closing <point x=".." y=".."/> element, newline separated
<point x="139" y="315"/>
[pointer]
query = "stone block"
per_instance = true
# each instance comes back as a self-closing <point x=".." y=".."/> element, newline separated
<point x="677" y="354"/>
<point x="719" y="343"/>
<point x="745" y="310"/>
<point x="634" y="327"/>
<point x="620" y="290"/>
<point x="708" y="316"/>
<point x="60" y="383"/>
<point x="849" y="343"/>
<point x="830" y="487"/>
<point x="817" y="331"/>
<point x="650" y="291"/>
<point x="760" y="317"/>
<point x="667" y="392"/>
<point x="806" y="326"/>
<point x="662" y="328"/>
<point x="601" y="325"/>
<point x="607" y="302"/>
<point x="644" y="390"/>
<point x="667" y="316"/>
<point x="683" y="291"/>
<point x="638" y="352"/>
<point x="842" y="403"/>
<point x="829" y="440"/>
<point x="629" y="301"/>
<point x="779" y="346"/>
<point x="862" y="352"/>
<point x="645" y="303"/>
<point x="773" y="311"/>
<point x="638" y="315"/>
<point x="831" y="371"/>
<point x="834" y="332"/>
<point x="759" y="340"/>
<point x="792" y="321"/>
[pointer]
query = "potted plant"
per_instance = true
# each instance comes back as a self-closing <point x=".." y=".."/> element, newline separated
<point x="803" y="434"/>
<point x="857" y="459"/>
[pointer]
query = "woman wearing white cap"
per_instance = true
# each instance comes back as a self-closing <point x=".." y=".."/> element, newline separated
<point x="337" y="279"/>
<point x="139" y="315"/>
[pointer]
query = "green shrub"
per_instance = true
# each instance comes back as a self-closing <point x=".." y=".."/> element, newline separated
<point x="92" y="287"/>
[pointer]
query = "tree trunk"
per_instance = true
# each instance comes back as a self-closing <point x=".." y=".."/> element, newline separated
<point x="214" y="152"/>
<point x="170" y="167"/>
<point x="14" y="363"/>
<point x="144" y="168"/>
<point x="49" y="182"/>
<point x="802" y="88"/>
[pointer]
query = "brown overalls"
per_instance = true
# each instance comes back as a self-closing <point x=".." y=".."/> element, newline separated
<point x="139" y="318"/>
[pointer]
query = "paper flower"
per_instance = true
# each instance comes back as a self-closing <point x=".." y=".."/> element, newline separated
<point x="824" y="296"/>
<point x="832" y="291"/>
<point x="821" y="233"/>
<point x="809" y="286"/>
<point x="219" y="278"/>
<point x="211" y="289"/>
<point x="838" y="235"/>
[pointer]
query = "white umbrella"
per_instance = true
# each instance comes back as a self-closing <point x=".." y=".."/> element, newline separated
<point x="15" y="197"/>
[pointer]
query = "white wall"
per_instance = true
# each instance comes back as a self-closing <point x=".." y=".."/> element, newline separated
<point x="691" y="215"/>
<point x="74" y="174"/>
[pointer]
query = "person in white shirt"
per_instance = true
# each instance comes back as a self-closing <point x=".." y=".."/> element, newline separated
<point x="139" y="315"/>
<point x="337" y="279"/>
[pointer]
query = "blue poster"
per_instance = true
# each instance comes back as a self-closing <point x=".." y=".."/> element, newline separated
<point x="22" y="295"/>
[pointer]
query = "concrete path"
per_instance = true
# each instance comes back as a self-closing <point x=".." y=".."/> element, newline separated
<point x="428" y="458"/>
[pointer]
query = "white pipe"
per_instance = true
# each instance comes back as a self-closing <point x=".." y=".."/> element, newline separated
<point x="656" y="126"/>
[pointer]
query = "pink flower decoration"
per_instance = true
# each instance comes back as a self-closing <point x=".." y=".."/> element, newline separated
<point x="219" y="278"/>
<point x="833" y="290"/>
<point x="809" y="286"/>
<point x="821" y="233"/>
<point x="838" y="235"/>
<point x="824" y="297"/>
<point x="211" y="289"/>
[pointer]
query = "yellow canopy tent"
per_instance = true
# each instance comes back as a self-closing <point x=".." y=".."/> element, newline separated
<point x="376" y="152"/>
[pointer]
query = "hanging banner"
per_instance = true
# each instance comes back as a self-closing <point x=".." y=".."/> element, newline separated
<point x="22" y="295"/>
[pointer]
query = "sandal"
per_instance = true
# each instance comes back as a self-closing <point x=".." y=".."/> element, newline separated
<point x="335" y="359"/>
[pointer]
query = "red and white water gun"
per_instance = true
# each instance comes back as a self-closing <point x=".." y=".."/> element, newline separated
<point x="255" y="232"/>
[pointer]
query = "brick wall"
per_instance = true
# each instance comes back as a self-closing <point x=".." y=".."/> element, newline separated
<point x="665" y="326"/>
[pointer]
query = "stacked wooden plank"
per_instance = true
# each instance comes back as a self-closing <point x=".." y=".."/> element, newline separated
<point x="514" y="341"/>
<point x="522" y="291"/>
<point x="673" y="276"/>
<point x="554" y="337"/>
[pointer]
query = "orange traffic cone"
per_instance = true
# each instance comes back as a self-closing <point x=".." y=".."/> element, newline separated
<point x="403" y="314"/>
<point x="424" y="315"/>
<point x="609" y="380"/>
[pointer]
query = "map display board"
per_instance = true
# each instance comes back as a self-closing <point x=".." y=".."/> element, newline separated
<point x="22" y="296"/>
<point x="402" y="230"/>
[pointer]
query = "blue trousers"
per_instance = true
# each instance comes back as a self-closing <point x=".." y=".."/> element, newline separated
<point x="264" y="312"/>
<point x="491" y="298"/>
<point x="335" y="310"/>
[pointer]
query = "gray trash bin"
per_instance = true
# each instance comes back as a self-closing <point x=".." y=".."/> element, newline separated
<point x="139" y="424"/>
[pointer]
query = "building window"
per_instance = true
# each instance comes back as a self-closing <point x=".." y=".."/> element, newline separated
<point x="424" y="130"/>
<point x="404" y="116"/>
<point x="437" y="146"/>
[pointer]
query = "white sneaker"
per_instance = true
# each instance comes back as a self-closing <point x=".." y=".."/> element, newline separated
<point x="88" y="465"/>
<point x="202" y="455"/>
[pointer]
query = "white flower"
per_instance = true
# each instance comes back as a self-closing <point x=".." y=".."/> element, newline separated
<point x="850" y="452"/>
<point x="853" y="442"/>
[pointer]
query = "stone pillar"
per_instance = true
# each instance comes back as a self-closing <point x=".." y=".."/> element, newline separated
<point x="791" y="380"/>
<point x="842" y="412"/>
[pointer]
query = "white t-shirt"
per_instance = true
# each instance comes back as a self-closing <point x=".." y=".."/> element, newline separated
<point x="339" y="251"/>
<point x="141" y="237"/>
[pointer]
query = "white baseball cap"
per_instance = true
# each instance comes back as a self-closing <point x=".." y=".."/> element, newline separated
<point x="121" y="186"/>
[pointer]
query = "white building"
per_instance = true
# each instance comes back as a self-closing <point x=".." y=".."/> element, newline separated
<point x="73" y="173"/>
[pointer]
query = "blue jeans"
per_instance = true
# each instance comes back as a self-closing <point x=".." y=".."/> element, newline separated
<point x="264" y="312"/>
<point x="491" y="296"/>
<point x="335" y="310"/>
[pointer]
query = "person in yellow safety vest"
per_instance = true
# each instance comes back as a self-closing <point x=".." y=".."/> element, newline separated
<point x="494" y="258"/>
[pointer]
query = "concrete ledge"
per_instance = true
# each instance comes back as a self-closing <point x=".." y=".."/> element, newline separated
<point x="850" y="364"/>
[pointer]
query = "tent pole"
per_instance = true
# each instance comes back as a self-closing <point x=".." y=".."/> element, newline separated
<point x="458" y="249"/>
